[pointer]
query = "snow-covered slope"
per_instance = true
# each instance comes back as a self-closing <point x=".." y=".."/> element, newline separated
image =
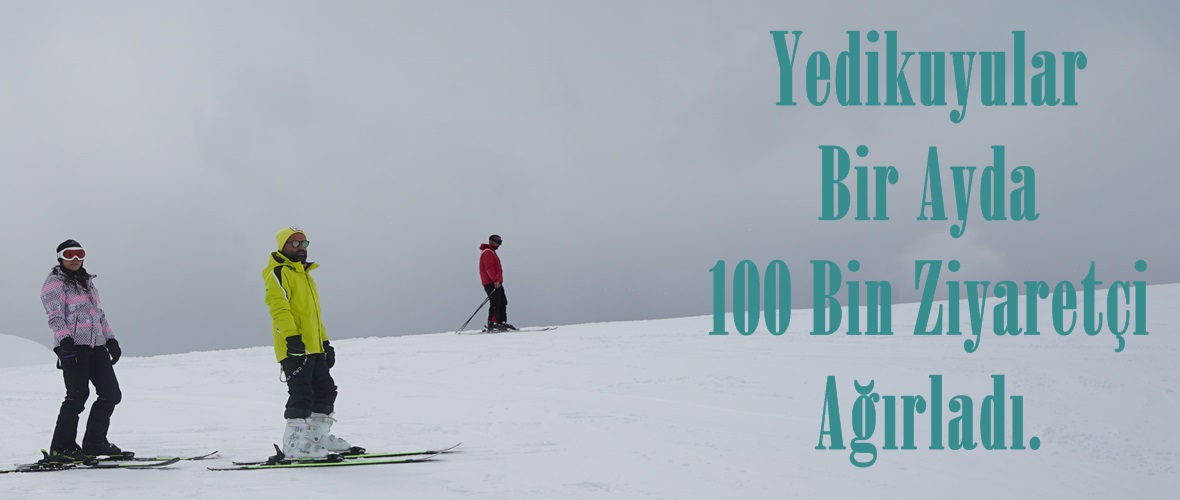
<point x="646" y="409"/>
<point x="16" y="351"/>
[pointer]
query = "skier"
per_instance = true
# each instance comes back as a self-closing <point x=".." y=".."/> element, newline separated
<point x="492" y="276"/>
<point x="87" y="352"/>
<point x="302" y="349"/>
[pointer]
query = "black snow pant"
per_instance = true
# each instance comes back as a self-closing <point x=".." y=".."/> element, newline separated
<point x="498" y="311"/>
<point x="90" y="365"/>
<point x="310" y="387"/>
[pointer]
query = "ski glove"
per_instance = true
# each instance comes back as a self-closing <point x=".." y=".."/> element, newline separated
<point x="295" y="346"/>
<point x="115" y="350"/>
<point x="329" y="354"/>
<point x="66" y="352"/>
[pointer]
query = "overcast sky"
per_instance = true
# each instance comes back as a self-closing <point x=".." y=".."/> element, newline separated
<point x="620" y="148"/>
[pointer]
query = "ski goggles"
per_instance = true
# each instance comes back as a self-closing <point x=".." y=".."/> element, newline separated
<point x="306" y="243"/>
<point x="72" y="253"/>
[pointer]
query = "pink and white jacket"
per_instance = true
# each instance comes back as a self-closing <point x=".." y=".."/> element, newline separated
<point x="74" y="312"/>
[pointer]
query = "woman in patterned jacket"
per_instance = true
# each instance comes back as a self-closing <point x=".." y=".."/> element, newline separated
<point x="86" y="351"/>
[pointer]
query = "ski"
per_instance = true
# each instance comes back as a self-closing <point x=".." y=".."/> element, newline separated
<point x="47" y="467"/>
<point x="366" y="455"/>
<point x="486" y="332"/>
<point x="133" y="464"/>
<point x="130" y="457"/>
<point x="335" y="461"/>
<point x="449" y="449"/>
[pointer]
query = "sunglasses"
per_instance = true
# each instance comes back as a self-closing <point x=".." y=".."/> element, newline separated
<point x="72" y="253"/>
<point x="498" y="241"/>
<point x="306" y="243"/>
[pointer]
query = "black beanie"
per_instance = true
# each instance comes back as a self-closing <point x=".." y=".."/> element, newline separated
<point x="67" y="244"/>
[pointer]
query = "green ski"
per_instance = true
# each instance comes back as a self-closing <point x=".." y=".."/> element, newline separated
<point x="362" y="454"/>
<point x="336" y="461"/>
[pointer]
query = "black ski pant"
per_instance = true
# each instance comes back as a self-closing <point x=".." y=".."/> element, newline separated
<point x="90" y="365"/>
<point x="498" y="311"/>
<point x="310" y="387"/>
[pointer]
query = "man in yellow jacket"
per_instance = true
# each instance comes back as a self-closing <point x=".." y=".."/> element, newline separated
<point x="302" y="348"/>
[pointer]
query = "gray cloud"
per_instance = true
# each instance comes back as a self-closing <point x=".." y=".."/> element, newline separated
<point x="621" y="148"/>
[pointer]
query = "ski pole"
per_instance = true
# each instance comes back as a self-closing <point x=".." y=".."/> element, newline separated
<point x="485" y="301"/>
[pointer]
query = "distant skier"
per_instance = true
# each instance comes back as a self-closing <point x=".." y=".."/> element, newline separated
<point x="86" y="351"/>
<point x="302" y="349"/>
<point x="492" y="276"/>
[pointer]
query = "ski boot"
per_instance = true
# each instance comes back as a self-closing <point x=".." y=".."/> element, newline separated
<point x="72" y="455"/>
<point x="321" y="426"/>
<point x="301" y="441"/>
<point x="105" y="448"/>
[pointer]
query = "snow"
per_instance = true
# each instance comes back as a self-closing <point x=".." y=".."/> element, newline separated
<point x="23" y="352"/>
<point x="643" y="409"/>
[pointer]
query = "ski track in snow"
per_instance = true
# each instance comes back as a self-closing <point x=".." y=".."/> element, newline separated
<point x="644" y="409"/>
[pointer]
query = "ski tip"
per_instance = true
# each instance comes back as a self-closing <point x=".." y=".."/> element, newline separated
<point x="165" y="463"/>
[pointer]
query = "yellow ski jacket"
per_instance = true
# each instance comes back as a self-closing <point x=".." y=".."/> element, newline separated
<point x="294" y="304"/>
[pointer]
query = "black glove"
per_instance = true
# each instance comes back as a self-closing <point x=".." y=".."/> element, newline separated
<point x="115" y="350"/>
<point x="66" y="352"/>
<point x="329" y="354"/>
<point x="295" y="346"/>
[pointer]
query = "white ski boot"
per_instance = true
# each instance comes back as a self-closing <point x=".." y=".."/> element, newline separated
<point x="301" y="441"/>
<point x="321" y="425"/>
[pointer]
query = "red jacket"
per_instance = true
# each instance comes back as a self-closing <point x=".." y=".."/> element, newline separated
<point x="489" y="265"/>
